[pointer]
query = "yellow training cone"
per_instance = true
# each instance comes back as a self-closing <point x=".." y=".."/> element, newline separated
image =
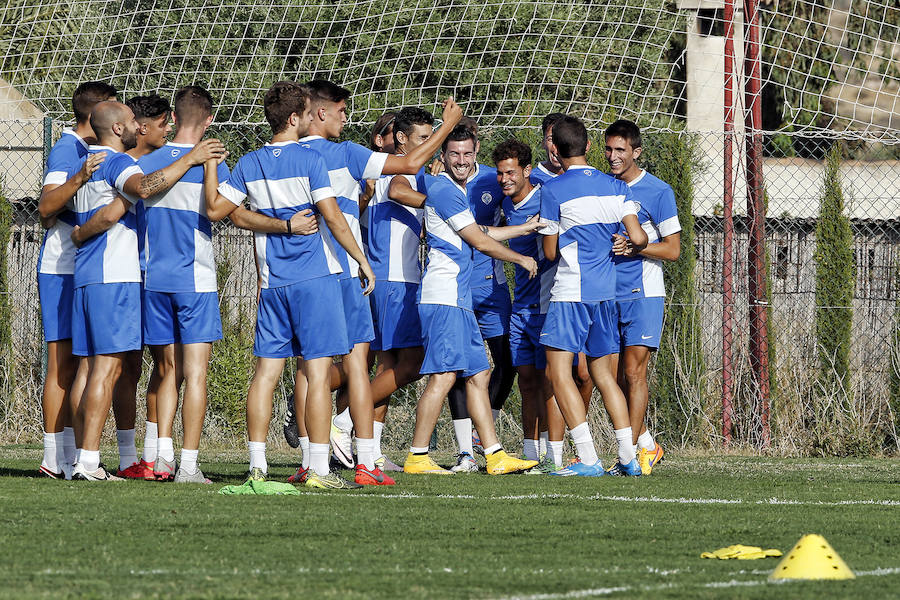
<point x="812" y="558"/>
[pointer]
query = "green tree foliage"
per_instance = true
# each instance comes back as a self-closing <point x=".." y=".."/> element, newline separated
<point x="6" y="337"/>
<point x="679" y="365"/>
<point x="504" y="61"/>
<point x="835" y="279"/>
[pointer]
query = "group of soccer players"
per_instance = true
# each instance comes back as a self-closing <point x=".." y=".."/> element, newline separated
<point x="127" y="260"/>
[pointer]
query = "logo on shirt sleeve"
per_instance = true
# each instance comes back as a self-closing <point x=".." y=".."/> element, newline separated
<point x="486" y="197"/>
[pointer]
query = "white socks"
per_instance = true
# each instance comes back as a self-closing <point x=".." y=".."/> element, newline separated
<point x="90" y="459"/>
<point x="646" y="441"/>
<point x="544" y="439"/>
<point x="626" y="449"/>
<point x="584" y="444"/>
<point x="54" y="452"/>
<point x="422" y="450"/>
<point x="491" y="449"/>
<point x="463" y="430"/>
<point x="304" y="449"/>
<point x="378" y="429"/>
<point x="69" y="444"/>
<point x="365" y="452"/>
<point x="318" y="458"/>
<point x="189" y="460"/>
<point x="150" y="442"/>
<point x="556" y="450"/>
<point x="343" y="420"/>
<point x="531" y="449"/>
<point x="127" y="450"/>
<point x="166" y="450"/>
<point x="257" y="455"/>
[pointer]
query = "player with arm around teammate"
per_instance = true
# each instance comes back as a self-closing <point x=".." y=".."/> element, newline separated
<point x="453" y="343"/>
<point x="640" y="291"/>
<point x="584" y="208"/>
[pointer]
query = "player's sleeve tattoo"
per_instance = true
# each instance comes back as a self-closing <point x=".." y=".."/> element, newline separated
<point x="153" y="183"/>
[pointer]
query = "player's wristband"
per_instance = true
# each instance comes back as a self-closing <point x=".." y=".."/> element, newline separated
<point x="289" y="229"/>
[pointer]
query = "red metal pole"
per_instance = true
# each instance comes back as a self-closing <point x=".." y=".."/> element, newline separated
<point x="756" y="215"/>
<point x="728" y="229"/>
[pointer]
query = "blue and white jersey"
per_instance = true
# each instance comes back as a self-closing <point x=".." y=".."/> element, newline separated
<point x="639" y="276"/>
<point x="282" y="179"/>
<point x="111" y="256"/>
<point x="449" y="266"/>
<point x="540" y="174"/>
<point x="57" y="250"/>
<point x="485" y="197"/>
<point x="348" y="163"/>
<point x="585" y="207"/>
<point x="178" y="235"/>
<point x="530" y="294"/>
<point x="394" y="231"/>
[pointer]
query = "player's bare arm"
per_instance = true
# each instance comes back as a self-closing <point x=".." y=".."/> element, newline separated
<point x="550" y="244"/>
<point x="668" y="248"/>
<point x="636" y="233"/>
<point x="54" y="197"/>
<point x="217" y="206"/>
<point x="301" y="223"/>
<point x="481" y="241"/>
<point x="101" y="220"/>
<point x="412" y="162"/>
<point x="145" y="186"/>
<point x="366" y="195"/>
<point x="508" y="232"/>
<point x="337" y="224"/>
<point x="400" y="191"/>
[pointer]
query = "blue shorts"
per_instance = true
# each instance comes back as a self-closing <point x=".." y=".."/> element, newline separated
<point x="106" y="318"/>
<point x="589" y="327"/>
<point x="56" y="293"/>
<point x="641" y="321"/>
<point x="302" y="319"/>
<point x="357" y="312"/>
<point x="452" y="341"/>
<point x="181" y="317"/>
<point x="396" y="315"/>
<point x="524" y="339"/>
<point x="492" y="309"/>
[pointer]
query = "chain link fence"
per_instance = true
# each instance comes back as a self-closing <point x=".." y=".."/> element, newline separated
<point x="808" y="415"/>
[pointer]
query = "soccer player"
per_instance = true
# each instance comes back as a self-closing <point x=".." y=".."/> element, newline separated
<point x="300" y="304"/>
<point x="640" y="292"/>
<point x="153" y="115"/>
<point x="181" y="307"/>
<point x="584" y="208"/>
<point x="67" y="170"/>
<point x="107" y="304"/>
<point x="490" y="299"/>
<point x="347" y="164"/>
<point x="550" y="167"/>
<point x="453" y="343"/>
<point x="522" y="201"/>
<point x="394" y="233"/>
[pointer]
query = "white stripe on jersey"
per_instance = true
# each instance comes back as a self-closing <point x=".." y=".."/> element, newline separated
<point x="204" y="263"/>
<point x="439" y="284"/>
<point x="567" y="282"/>
<point x="588" y="210"/>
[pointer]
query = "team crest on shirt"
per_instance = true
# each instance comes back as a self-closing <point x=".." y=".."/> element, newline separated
<point x="486" y="197"/>
<point x="276" y="152"/>
<point x="175" y="152"/>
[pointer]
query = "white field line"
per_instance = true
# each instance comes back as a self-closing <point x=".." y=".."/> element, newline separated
<point x="596" y="592"/>
<point x="654" y="499"/>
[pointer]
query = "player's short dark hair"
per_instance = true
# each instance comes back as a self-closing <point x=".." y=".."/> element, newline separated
<point x="411" y="116"/>
<point x="513" y="148"/>
<point x="149" y="107"/>
<point x="326" y="91"/>
<point x="470" y="124"/>
<point x="460" y="133"/>
<point x="283" y="99"/>
<point x="549" y="121"/>
<point x="627" y="130"/>
<point x="89" y="94"/>
<point x="381" y="127"/>
<point x="570" y="137"/>
<point x="193" y="104"/>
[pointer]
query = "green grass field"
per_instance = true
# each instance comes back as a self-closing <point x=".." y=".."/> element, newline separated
<point x="465" y="536"/>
